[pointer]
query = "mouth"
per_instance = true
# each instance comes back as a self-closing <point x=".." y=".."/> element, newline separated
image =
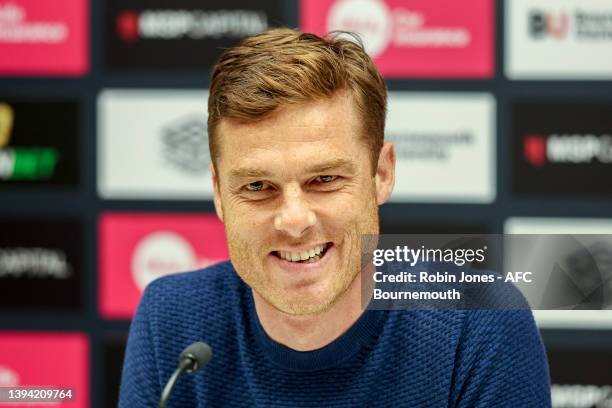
<point x="312" y="255"/>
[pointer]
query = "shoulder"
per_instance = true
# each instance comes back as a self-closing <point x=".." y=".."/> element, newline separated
<point x="196" y="287"/>
<point x="190" y="301"/>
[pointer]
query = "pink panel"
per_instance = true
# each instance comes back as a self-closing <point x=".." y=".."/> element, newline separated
<point x="413" y="38"/>
<point x="136" y="248"/>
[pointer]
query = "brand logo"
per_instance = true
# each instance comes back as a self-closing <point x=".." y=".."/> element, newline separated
<point x="186" y="144"/>
<point x="43" y="38"/>
<point x="40" y="264"/>
<point x="455" y="150"/>
<point x="181" y="35"/>
<point x="564" y="149"/>
<point x="163" y="253"/>
<point x="534" y="149"/>
<point x="39" y="359"/>
<point x="542" y="24"/>
<point x="549" y="41"/>
<point x="192" y="24"/>
<point x="380" y="27"/>
<point x="138" y="248"/>
<point x="34" y="263"/>
<point x="15" y="29"/>
<point x="166" y="130"/>
<point x="416" y="38"/>
<point x="160" y="254"/>
<point x="8" y="377"/>
<point x="438" y="146"/>
<point x="23" y="163"/>
<point x="578" y="396"/>
<point x="584" y="25"/>
<point x="567" y="148"/>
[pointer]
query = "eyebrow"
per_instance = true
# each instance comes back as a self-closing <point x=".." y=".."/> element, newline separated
<point x="245" y="172"/>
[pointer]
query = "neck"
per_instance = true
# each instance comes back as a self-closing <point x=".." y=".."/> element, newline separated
<point x="306" y="333"/>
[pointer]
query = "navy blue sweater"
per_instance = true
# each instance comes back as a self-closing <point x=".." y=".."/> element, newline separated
<point x="386" y="359"/>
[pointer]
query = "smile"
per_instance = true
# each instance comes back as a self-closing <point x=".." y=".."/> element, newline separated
<point x="308" y="256"/>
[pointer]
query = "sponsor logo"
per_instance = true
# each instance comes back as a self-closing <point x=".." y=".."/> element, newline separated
<point x="46" y="359"/>
<point x="186" y="144"/>
<point x="400" y="27"/>
<point x="15" y="28"/>
<point x="40" y="269"/>
<point x="34" y="263"/>
<point x="22" y="163"/>
<point x="569" y="40"/>
<point x="418" y="38"/>
<point x="166" y="130"/>
<point x="163" y="253"/>
<point x="25" y="154"/>
<point x="8" y="377"/>
<point x="448" y="137"/>
<point x="585" y="25"/>
<point x="575" y="148"/>
<point x="438" y="146"/>
<point x="565" y="144"/>
<point x="189" y="35"/>
<point x="580" y="396"/>
<point x="135" y="249"/>
<point x="193" y="24"/>
<point x="543" y="24"/>
<point x="43" y="38"/>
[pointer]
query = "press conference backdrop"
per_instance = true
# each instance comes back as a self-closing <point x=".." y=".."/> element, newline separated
<point x="501" y="113"/>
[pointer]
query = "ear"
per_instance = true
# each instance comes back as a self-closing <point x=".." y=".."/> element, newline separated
<point x="217" y="194"/>
<point x="385" y="173"/>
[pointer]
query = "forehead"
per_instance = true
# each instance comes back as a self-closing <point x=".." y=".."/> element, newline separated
<point x="294" y="136"/>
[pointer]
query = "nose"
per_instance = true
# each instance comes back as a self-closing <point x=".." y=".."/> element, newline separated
<point x="295" y="216"/>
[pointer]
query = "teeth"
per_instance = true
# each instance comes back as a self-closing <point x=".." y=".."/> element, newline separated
<point x="302" y="256"/>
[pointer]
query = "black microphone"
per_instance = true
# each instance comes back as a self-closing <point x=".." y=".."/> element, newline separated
<point x="193" y="358"/>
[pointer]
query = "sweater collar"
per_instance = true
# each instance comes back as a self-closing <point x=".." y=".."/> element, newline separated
<point x="360" y="334"/>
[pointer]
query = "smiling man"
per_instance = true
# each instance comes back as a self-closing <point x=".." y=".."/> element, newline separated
<point x="300" y="166"/>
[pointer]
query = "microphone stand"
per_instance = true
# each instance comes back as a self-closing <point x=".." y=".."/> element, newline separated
<point x="184" y="366"/>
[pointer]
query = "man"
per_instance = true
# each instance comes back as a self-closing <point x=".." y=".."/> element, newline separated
<point x="300" y="166"/>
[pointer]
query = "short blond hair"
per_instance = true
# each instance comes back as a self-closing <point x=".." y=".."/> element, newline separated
<point x="285" y="66"/>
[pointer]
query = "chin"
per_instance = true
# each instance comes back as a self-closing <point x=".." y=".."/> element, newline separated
<point x="302" y="302"/>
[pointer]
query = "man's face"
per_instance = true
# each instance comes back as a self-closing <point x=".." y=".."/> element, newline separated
<point x="296" y="191"/>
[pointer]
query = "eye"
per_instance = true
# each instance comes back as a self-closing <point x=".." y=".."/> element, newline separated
<point x="256" y="186"/>
<point x="326" y="179"/>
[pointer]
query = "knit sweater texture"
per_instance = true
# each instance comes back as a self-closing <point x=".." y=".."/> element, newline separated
<point x="428" y="358"/>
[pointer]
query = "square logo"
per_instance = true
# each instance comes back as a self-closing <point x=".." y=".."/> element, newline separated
<point x="417" y="38"/>
<point x="444" y="147"/>
<point x="44" y="37"/>
<point x="136" y="248"/>
<point x="166" y="130"/>
<point x="49" y="360"/>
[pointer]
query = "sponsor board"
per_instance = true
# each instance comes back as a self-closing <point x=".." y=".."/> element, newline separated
<point x="559" y="146"/>
<point x="153" y="145"/>
<point x="184" y="34"/>
<point x="44" y="38"/>
<point x="580" y="378"/>
<point x="564" y="39"/>
<point x="418" y="38"/>
<point x="567" y="319"/>
<point x="444" y="146"/>
<point x="46" y="359"/>
<point x="39" y="143"/>
<point x="136" y="248"/>
<point x="40" y="264"/>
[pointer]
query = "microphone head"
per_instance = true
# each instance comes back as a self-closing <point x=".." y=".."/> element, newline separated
<point x="199" y="353"/>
